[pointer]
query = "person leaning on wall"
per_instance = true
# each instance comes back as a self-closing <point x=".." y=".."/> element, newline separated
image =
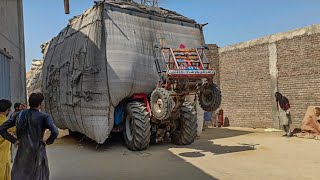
<point x="283" y="107"/>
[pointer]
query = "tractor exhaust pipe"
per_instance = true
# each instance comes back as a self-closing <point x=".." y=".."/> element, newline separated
<point x="66" y="7"/>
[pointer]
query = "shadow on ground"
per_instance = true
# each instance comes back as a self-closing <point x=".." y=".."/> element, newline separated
<point x="220" y="133"/>
<point x="206" y="143"/>
<point x="81" y="158"/>
<point x="71" y="159"/>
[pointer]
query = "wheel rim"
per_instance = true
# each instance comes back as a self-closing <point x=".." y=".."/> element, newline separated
<point x="129" y="128"/>
<point x="158" y="105"/>
<point x="207" y="97"/>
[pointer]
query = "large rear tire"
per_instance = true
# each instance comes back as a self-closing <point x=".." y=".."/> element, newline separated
<point x="161" y="104"/>
<point x="186" y="131"/>
<point x="137" y="129"/>
<point x="210" y="97"/>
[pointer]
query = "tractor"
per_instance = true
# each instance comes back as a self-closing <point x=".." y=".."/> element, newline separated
<point x="169" y="113"/>
<point x="183" y="73"/>
<point x="104" y="82"/>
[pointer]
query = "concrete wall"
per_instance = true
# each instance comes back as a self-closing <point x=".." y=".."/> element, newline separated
<point x="251" y="72"/>
<point x="12" y="39"/>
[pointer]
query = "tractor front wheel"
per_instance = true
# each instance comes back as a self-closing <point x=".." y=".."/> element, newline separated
<point x="161" y="104"/>
<point x="210" y="97"/>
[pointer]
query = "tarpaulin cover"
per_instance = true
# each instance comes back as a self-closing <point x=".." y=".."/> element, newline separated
<point x="310" y="122"/>
<point x="310" y="126"/>
<point x="104" y="56"/>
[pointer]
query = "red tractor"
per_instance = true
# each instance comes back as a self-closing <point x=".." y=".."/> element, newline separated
<point x="184" y="74"/>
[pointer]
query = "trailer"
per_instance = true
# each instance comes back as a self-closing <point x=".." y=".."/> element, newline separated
<point x="99" y="70"/>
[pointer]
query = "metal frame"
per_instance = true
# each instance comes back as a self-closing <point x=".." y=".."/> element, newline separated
<point x="188" y="78"/>
<point x="4" y="52"/>
<point x="203" y="72"/>
<point x="143" y="97"/>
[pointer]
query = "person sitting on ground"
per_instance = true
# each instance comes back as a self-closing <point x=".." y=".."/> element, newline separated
<point x="283" y="107"/>
<point x="5" y="162"/>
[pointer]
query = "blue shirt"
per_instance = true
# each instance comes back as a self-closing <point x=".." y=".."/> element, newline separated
<point x="207" y="116"/>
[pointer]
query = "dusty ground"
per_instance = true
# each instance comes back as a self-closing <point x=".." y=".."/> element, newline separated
<point x="219" y="154"/>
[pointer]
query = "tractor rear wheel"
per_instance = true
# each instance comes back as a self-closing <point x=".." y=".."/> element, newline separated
<point x="161" y="104"/>
<point x="186" y="130"/>
<point x="137" y="129"/>
<point x="210" y="97"/>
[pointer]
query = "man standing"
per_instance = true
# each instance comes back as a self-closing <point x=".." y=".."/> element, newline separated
<point x="5" y="164"/>
<point x="17" y="108"/>
<point x="207" y="117"/>
<point x="31" y="161"/>
<point x="283" y="107"/>
<point x="23" y="107"/>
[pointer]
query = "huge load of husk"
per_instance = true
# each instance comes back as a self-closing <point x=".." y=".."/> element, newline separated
<point x="106" y="55"/>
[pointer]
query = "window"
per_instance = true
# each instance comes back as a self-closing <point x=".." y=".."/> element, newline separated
<point x="5" y="75"/>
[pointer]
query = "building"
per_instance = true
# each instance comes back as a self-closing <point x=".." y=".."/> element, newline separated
<point x="12" y="51"/>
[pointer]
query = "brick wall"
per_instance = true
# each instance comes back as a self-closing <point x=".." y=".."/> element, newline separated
<point x="250" y="73"/>
<point x="299" y="73"/>
<point x="245" y="85"/>
<point x="213" y="57"/>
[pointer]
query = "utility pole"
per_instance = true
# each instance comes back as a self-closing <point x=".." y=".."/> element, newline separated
<point x="153" y="3"/>
<point x="66" y="7"/>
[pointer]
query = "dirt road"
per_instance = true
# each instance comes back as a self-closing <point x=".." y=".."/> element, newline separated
<point x="219" y="154"/>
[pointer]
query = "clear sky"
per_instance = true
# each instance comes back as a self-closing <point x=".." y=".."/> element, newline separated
<point x="230" y="21"/>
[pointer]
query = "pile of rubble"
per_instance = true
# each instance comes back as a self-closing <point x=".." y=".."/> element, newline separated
<point x="33" y="77"/>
